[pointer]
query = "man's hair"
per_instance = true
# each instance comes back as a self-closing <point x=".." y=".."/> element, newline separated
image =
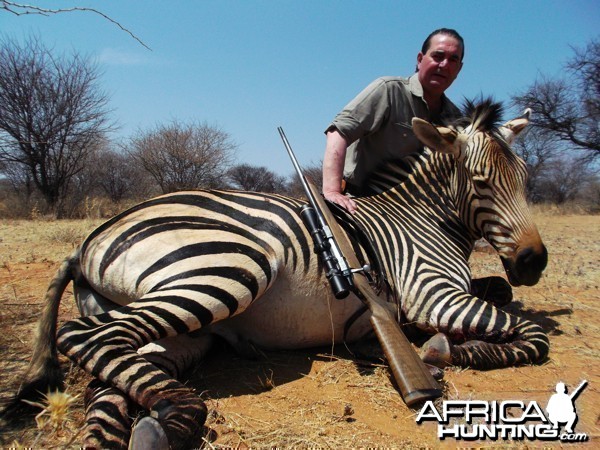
<point x="447" y="32"/>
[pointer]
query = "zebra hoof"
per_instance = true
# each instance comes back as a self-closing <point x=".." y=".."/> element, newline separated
<point x="148" y="434"/>
<point x="436" y="372"/>
<point x="437" y="351"/>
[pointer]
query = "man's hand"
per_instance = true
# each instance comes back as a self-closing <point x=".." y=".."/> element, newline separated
<point x="343" y="200"/>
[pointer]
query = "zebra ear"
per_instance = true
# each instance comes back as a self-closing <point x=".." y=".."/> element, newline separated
<point x="511" y="129"/>
<point x="439" y="139"/>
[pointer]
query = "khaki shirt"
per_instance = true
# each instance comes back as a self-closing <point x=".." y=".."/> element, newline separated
<point x="377" y="124"/>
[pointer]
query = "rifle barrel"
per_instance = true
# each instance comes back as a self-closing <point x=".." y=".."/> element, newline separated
<point x="288" y="147"/>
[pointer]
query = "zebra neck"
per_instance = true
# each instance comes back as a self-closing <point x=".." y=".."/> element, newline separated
<point x="423" y="179"/>
<point x="419" y="212"/>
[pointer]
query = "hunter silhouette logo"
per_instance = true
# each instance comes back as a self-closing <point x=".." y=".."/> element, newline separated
<point x="512" y="419"/>
<point x="561" y="406"/>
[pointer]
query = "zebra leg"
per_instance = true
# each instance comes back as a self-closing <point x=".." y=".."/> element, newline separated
<point x="527" y="344"/>
<point x="495" y="290"/>
<point x="106" y="346"/>
<point x="89" y="302"/>
<point x="476" y="334"/>
<point x="175" y="356"/>
<point x="107" y="417"/>
<point x="109" y="412"/>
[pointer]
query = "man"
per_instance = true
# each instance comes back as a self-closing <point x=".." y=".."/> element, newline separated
<point x="376" y="125"/>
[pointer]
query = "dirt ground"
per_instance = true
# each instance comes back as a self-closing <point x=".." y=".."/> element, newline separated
<point x="323" y="397"/>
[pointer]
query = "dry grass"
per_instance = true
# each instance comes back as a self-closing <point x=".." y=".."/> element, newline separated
<point x="314" y="398"/>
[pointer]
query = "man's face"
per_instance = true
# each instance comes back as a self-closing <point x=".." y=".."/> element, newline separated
<point x="439" y="67"/>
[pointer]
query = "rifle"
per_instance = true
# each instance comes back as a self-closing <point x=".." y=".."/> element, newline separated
<point x="331" y="244"/>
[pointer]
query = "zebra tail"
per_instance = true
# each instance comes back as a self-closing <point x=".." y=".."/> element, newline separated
<point x="43" y="374"/>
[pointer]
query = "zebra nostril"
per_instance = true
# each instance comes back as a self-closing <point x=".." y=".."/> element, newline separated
<point x="526" y="256"/>
<point x="532" y="259"/>
<point x="529" y="265"/>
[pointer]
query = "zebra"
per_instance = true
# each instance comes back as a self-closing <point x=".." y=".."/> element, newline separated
<point x="156" y="283"/>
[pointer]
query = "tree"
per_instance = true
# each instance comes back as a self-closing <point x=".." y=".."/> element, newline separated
<point x="257" y="179"/>
<point x="564" y="180"/>
<point x="591" y="192"/>
<point x="539" y="151"/>
<point x="51" y="113"/>
<point x="314" y="172"/>
<point x="184" y="156"/>
<point x="568" y="109"/>
<point x="18" y="186"/>
<point x="118" y="176"/>
<point x="18" y="178"/>
<point x="113" y="174"/>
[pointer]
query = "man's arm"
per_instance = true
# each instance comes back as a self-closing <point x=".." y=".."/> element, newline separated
<point x="333" y="169"/>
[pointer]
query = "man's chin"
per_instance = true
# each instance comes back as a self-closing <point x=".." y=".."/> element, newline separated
<point x="438" y="85"/>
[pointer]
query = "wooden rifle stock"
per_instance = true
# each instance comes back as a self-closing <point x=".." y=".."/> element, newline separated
<point x="412" y="376"/>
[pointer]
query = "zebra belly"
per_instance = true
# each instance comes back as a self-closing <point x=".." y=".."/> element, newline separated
<point x="288" y="316"/>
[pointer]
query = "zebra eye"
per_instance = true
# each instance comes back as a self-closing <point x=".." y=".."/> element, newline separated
<point x="480" y="186"/>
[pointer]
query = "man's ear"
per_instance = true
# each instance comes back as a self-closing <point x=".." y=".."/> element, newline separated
<point x="511" y="129"/>
<point x="441" y="139"/>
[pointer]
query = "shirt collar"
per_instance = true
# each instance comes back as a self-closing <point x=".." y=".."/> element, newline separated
<point x="416" y="89"/>
<point x="415" y="85"/>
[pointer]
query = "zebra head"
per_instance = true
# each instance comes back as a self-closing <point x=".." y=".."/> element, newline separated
<point x="489" y="184"/>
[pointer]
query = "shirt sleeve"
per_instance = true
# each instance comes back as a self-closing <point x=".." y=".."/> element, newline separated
<point x="365" y="113"/>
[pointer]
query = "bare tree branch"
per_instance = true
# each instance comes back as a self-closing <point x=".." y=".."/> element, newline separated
<point x="256" y="179"/>
<point x="21" y="9"/>
<point x="568" y="108"/>
<point x="184" y="156"/>
<point x="52" y="114"/>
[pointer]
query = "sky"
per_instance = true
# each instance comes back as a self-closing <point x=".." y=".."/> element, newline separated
<point x="249" y="66"/>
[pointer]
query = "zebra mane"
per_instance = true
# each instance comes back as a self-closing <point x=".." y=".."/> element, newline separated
<point x="483" y="114"/>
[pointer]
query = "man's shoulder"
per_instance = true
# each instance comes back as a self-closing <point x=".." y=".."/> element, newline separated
<point x="400" y="85"/>
<point x="393" y="80"/>
<point x="380" y="88"/>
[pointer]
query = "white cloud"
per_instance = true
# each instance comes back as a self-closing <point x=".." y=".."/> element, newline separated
<point x="116" y="57"/>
